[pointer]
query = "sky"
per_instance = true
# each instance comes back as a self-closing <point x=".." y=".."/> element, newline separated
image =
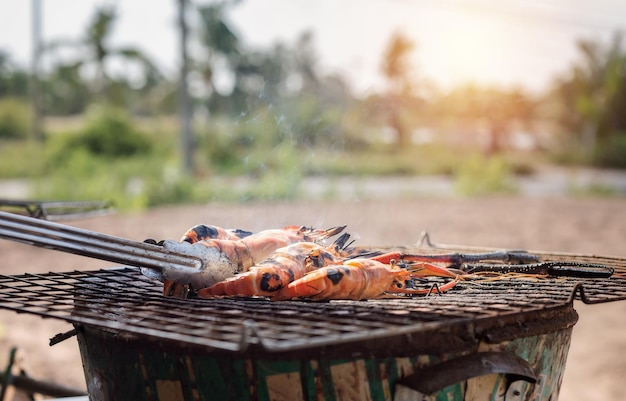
<point x="488" y="42"/>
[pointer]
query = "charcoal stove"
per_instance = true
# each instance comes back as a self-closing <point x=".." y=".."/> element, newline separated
<point x="508" y="338"/>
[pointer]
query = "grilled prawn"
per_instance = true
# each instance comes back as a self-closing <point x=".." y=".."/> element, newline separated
<point x="274" y="273"/>
<point x="246" y="252"/>
<point x="358" y="279"/>
<point x="236" y="255"/>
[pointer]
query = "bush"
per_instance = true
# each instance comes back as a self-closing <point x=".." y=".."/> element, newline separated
<point x="21" y="159"/>
<point x="611" y="152"/>
<point x="110" y="159"/>
<point x="130" y="183"/>
<point x="483" y="176"/>
<point x="15" y="119"/>
<point x="109" y="133"/>
<point x="171" y="188"/>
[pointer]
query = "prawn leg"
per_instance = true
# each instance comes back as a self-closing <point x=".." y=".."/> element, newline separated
<point x="434" y="289"/>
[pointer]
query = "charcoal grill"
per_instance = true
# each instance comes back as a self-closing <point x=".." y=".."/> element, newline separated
<point x="137" y="344"/>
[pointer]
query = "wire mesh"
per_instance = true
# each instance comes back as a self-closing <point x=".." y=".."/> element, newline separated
<point x="123" y="300"/>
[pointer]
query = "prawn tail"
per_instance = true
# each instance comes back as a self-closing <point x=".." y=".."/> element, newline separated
<point x="310" y="286"/>
<point x="317" y="234"/>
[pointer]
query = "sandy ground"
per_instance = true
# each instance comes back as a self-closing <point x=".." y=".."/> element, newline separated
<point x="596" y="366"/>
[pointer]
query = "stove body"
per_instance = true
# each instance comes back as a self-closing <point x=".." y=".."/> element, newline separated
<point x="408" y="367"/>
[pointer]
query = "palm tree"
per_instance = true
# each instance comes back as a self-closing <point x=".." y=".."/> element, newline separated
<point x="219" y="41"/>
<point x="184" y="100"/>
<point x="95" y="51"/>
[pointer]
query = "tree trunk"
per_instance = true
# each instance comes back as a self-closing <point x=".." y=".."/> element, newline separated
<point x="184" y="105"/>
<point x="35" y="84"/>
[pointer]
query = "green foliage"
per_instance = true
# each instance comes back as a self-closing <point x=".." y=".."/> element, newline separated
<point x="570" y="153"/>
<point x="15" y="119"/>
<point x="132" y="183"/>
<point x="310" y="123"/>
<point x="21" y="159"/>
<point x="252" y="149"/>
<point x="111" y="159"/>
<point x="13" y="79"/>
<point x="611" y="152"/>
<point x="250" y="145"/>
<point x="477" y="176"/>
<point x="236" y="146"/>
<point x="171" y="187"/>
<point x="111" y="133"/>
<point x="595" y="190"/>
<point x="64" y="91"/>
<point x="108" y="133"/>
<point x="280" y="177"/>
<point x="80" y="166"/>
<point x="384" y="159"/>
<point x="592" y="99"/>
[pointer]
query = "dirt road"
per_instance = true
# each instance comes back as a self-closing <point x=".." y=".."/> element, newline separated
<point x="596" y="367"/>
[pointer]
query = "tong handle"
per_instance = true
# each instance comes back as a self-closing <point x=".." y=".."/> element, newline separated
<point x="92" y="244"/>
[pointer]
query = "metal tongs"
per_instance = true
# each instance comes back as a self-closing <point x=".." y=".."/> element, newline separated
<point x="170" y="261"/>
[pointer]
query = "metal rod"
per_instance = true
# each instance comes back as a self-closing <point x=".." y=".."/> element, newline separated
<point x="35" y="386"/>
<point x="62" y="337"/>
<point x="92" y="244"/>
<point x="554" y="268"/>
<point x="57" y="210"/>
<point x="456" y="259"/>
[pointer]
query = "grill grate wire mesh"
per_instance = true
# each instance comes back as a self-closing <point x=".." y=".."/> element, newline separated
<point x="123" y="300"/>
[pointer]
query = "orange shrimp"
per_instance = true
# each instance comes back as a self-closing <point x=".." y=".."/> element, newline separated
<point x="358" y="279"/>
<point x="202" y="232"/>
<point x="271" y="275"/>
<point x="244" y="253"/>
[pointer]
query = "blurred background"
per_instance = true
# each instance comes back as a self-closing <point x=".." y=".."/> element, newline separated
<point x="193" y="101"/>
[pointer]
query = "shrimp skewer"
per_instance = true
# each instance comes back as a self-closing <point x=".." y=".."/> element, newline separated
<point x="359" y="279"/>
<point x="271" y="275"/>
<point x="237" y="256"/>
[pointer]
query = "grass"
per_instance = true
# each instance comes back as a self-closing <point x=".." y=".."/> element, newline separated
<point x="479" y="176"/>
<point x="233" y="164"/>
<point x="382" y="160"/>
<point x="155" y="179"/>
<point x="595" y="190"/>
<point x="21" y="159"/>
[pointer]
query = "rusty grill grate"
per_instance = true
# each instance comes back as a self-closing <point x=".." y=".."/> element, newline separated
<point x="123" y="300"/>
